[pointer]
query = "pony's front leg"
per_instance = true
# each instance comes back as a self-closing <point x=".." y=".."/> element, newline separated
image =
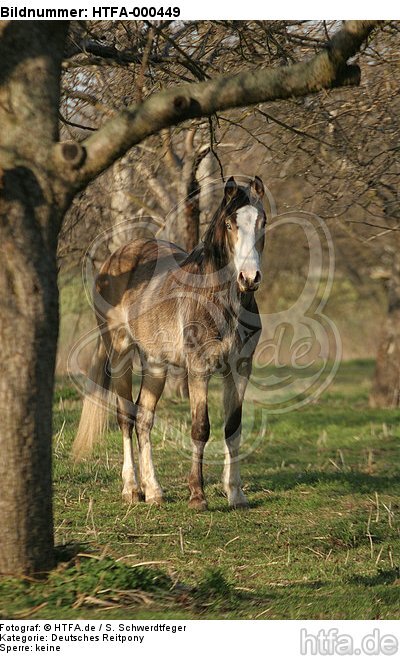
<point x="121" y="376"/>
<point x="233" y="399"/>
<point x="153" y="381"/>
<point x="131" y="492"/>
<point x="198" y="387"/>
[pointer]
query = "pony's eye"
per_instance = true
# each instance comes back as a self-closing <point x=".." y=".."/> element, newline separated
<point x="228" y="225"/>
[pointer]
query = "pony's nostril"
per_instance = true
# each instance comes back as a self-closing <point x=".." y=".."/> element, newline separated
<point x="249" y="281"/>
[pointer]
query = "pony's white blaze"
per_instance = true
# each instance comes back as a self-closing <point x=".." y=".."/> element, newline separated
<point x="246" y="257"/>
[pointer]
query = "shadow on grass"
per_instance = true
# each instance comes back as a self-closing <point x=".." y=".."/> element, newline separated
<point x="64" y="553"/>
<point x="382" y="577"/>
<point x="344" y="482"/>
<point x="327" y="414"/>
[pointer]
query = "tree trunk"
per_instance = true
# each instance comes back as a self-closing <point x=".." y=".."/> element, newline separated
<point x="120" y="203"/>
<point x="208" y="174"/>
<point x="386" y="384"/>
<point x="28" y="334"/>
<point x="31" y="202"/>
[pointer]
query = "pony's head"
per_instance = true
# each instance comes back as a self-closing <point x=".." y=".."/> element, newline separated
<point x="241" y="225"/>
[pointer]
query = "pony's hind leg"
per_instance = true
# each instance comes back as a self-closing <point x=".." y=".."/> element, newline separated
<point x="233" y="399"/>
<point x="198" y="387"/>
<point x="153" y="381"/>
<point x="122" y="385"/>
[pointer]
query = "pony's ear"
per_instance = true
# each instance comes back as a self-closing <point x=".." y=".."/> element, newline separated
<point x="230" y="189"/>
<point x="257" y="186"/>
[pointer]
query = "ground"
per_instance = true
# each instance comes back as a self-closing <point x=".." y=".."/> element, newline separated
<point x="320" y="540"/>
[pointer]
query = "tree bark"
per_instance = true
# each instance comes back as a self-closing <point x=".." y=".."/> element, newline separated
<point x="120" y="203"/>
<point x="31" y="202"/>
<point x="386" y="383"/>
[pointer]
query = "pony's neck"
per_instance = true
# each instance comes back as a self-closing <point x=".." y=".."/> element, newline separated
<point x="209" y="274"/>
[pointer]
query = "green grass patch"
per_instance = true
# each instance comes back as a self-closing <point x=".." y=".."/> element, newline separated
<point x="321" y="539"/>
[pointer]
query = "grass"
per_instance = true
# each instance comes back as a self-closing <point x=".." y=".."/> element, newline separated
<point x="321" y="539"/>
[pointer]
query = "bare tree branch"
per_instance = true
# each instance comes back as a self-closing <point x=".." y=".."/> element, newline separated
<point x="327" y="69"/>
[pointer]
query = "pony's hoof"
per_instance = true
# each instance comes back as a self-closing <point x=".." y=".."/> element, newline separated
<point x="155" y="501"/>
<point x="238" y="501"/>
<point x="198" y="504"/>
<point x="240" y="505"/>
<point x="131" y="496"/>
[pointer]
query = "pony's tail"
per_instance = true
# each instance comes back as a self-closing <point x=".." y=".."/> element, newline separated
<point x="94" y="415"/>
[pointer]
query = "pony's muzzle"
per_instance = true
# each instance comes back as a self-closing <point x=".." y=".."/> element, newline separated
<point x="249" y="281"/>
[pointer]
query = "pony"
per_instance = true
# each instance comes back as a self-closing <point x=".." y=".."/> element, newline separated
<point x="195" y="311"/>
